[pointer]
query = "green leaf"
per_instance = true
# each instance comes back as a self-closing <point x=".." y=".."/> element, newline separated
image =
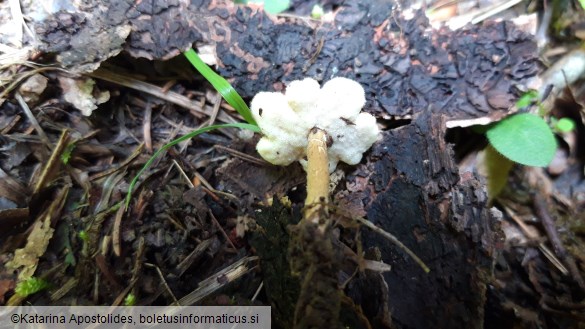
<point x="30" y="286"/>
<point x="83" y="235"/>
<point x="317" y="12"/>
<point x="270" y="6"/>
<point x="524" y="138"/>
<point x="276" y="6"/>
<point x="527" y="99"/>
<point x="565" y="125"/>
<point x="66" y="155"/>
<point x="130" y="300"/>
<point x="582" y="3"/>
<point x="190" y="135"/>
<point x="221" y="85"/>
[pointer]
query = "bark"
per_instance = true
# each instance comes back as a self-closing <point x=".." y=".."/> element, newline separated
<point x="414" y="191"/>
<point x="404" y="65"/>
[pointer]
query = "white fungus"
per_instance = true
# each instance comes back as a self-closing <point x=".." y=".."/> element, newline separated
<point x="286" y="119"/>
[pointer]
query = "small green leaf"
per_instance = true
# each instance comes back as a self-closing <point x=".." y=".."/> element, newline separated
<point x="270" y="6"/>
<point x="527" y="99"/>
<point x="317" y="12"/>
<point x="130" y="300"/>
<point x="69" y="259"/>
<point x="276" y="6"/>
<point x="221" y="85"/>
<point x="66" y="155"/>
<point x="565" y="125"/>
<point x="83" y="235"/>
<point x="524" y="138"/>
<point x="30" y="286"/>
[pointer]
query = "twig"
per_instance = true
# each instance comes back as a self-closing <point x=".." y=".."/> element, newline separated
<point x="183" y="174"/>
<point x="32" y="119"/>
<point x="541" y="246"/>
<point x="395" y="241"/>
<point x="146" y="126"/>
<point x="53" y="162"/>
<point x="257" y="291"/>
<point x="222" y="230"/>
<point x="194" y="255"/>
<point x="220" y="279"/>
<point x="216" y="105"/>
<point x="541" y="206"/>
<point x="156" y="91"/>
<point x="6" y="129"/>
<point x="207" y="187"/>
<point x="204" y="181"/>
<point x="116" y="243"/>
<point x="493" y="10"/>
<point x="164" y="282"/>
<point x="242" y="155"/>
<point x="125" y="163"/>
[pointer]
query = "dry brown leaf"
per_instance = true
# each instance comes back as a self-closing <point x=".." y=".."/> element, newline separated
<point x="26" y="259"/>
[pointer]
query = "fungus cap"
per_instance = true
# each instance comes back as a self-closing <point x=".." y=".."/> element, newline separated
<point x="286" y="119"/>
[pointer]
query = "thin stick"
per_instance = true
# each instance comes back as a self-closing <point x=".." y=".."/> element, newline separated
<point x="32" y="119"/>
<point x="216" y="106"/>
<point x="156" y="91"/>
<point x="242" y="155"/>
<point x="54" y="162"/>
<point x="395" y="241"/>
<point x="164" y="282"/>
<point x="541" y="205"/>
<point x="147" y="123"/>
<point x="258" y="291"/>
<point x="183" y="174"/>
<point x="534" y="237"/>
<point x="229" y="241"/>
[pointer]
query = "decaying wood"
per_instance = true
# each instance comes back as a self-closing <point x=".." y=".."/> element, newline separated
<point x="403" y="64"/>
<point x="413" y="190"/>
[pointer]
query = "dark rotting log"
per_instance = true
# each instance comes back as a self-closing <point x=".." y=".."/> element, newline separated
<point x="415" y="192"/>
<point x="403" y="64"/>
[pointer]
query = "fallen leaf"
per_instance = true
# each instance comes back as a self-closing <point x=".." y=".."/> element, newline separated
<point x="26" y="259"/>
<point x="83" y="94"/>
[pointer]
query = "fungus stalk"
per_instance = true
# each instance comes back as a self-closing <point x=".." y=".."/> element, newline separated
<point x="317" y="177"/>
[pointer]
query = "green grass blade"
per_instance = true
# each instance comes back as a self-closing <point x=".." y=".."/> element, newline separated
<point x="221" y="85"/>
<point x="177" y="141"/>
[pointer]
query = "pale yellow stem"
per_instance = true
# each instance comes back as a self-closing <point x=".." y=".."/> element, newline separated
<point x="317" y="177"/>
